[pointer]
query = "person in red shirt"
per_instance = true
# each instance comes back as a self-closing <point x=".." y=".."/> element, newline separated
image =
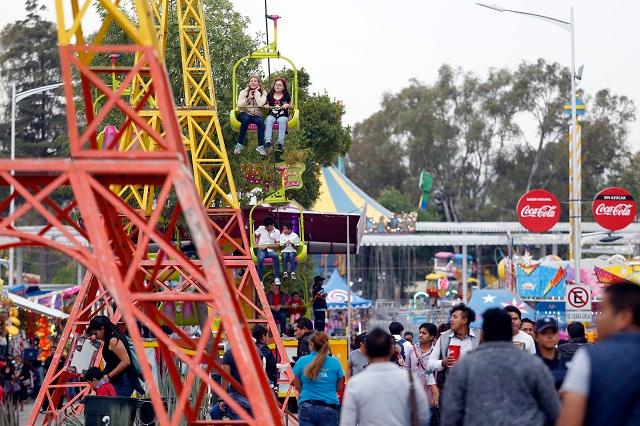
<point x="296" y="307"/>
<point x="95" y="378"/>
<point x="278" y="303"/>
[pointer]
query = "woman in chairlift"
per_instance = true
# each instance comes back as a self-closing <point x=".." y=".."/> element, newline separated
<point x="251" y="101"/>
<point x="278" y="104"/>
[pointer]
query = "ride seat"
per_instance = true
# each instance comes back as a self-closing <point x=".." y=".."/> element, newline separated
<point x="301" y="256"/>
<point x="292" y="124"/>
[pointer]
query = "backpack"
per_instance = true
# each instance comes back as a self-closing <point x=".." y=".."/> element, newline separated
<point x="135" y="362"/>
<point x="401" y="343"/>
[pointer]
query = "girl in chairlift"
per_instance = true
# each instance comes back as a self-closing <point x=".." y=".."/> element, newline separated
<point x="278" y="104"/>
<point x="250" y="102"/>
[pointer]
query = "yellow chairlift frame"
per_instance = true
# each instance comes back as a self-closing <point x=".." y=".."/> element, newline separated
<point x="301" y="252"/>
<point x="270" y="51"/>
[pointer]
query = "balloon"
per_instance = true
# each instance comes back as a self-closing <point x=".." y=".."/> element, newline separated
<point x="12" y="330"/>
<point x="502" y="269"/>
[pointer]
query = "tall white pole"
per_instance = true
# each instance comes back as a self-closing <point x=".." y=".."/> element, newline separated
<point x="13" y="157"/>
<point x="15" y="98"/>
<point x="465" y="280"/>
<point x="575" y="166"/>
<point x="348" y="288"/>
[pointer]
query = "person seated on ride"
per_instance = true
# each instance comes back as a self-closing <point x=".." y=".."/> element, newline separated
<point x="289" y="242"/>
<point x="278" y="104"/>
<point x="267" y="239"/>
<point x="250" y="102"/>
<point x="296" y="307"/>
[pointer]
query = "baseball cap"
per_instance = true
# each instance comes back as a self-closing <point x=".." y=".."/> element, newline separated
<point x="545" y="323"/>
<point x="318" y="278"/>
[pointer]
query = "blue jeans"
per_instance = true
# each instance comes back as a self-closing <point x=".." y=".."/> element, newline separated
<point x="289" y="258"/>
<point x="282" y="128"/>
<point x="246" y="119"/>
<point x="281" y="319"/>
<point x="317" y="415"/>
<point x="217" y="414"/>
<point x="263" y="254"/>
<point x="122" y="384"/>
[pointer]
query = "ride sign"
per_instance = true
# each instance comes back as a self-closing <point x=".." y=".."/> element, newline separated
<point x="614" y="208"/>
<point x="538" y="210"/>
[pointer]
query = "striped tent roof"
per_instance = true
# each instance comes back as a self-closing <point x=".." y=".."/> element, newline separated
<point x="339" y="195"/>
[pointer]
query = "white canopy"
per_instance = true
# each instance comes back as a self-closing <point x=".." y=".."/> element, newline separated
<point x="36" y="307"/>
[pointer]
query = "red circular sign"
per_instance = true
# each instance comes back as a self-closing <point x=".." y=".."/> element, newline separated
<point x="578" y="297"/>
<point x="614" y="208"/>
<point x="538" y="210"/>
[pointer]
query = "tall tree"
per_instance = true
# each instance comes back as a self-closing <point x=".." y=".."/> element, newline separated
<point x="29" y="59"/>
<point x="468" y="133"/>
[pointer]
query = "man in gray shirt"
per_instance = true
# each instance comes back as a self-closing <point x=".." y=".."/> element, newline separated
<point x="498" y="384"/>
<point x="383" y="395"/>
<point x="358" y="359"/>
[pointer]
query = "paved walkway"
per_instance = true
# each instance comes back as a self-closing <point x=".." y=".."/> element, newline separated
<point x="25" y="414"/>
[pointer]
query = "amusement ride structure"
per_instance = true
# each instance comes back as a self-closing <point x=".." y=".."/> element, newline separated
<point x="163" y="177"/>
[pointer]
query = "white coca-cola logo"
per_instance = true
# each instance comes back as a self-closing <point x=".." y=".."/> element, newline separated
<point x="617" y="210"/>
<point x="542" y="211"/>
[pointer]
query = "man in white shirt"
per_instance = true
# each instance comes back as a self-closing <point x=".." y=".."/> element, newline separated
<point x="382" y="394"/>
<point x="521" y="340"/>
<point x="268" y="239"/>
<point x="289" y="242"/>
<point x="453" y="344"/>
<point x="396" y="329"/>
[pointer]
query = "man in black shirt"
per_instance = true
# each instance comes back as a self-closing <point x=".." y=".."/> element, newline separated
<point x="220" y="409"/>
<point x="319" y="302"/>
<point x="576" y="340"/>
<point x="303" y="330"/>
<point x="259" y="333"/>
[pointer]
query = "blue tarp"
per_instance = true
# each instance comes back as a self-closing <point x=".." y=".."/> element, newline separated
<point x="336" y="289"/>
<point x="483" y="299"/>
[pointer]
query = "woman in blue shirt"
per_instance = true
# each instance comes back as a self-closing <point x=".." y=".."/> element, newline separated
<point x="319" y="378"/>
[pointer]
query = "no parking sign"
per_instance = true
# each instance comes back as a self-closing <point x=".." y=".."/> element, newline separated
<point x="577" y="302"/>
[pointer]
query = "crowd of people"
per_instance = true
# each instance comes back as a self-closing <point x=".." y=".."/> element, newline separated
<point x="511" y="372"/>
<point x="287" y="309"/>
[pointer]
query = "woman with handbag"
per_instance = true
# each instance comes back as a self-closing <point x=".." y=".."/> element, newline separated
<point x="119" y="369"/>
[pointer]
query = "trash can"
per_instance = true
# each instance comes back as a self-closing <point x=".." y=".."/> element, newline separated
<point x="146" y="413"/>
<point x="109" y="410"/>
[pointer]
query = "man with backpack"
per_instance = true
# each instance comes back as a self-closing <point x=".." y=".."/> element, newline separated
<point x="396" y="329"/>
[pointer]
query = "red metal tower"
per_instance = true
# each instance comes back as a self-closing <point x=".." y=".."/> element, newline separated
<point x="112" y="238"/>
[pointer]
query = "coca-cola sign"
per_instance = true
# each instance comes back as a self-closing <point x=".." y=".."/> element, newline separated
<point x="614" y="208"/>
<point x="538" y="210"/>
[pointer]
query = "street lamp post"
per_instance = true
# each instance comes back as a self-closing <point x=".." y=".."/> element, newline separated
<point x="575" y="148"/>
<point x="15" y="98"/>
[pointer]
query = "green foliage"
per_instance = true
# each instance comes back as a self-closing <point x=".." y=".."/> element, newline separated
<point x="467" y="132"/>
<point x="396" y="201"/>
<point x="29" y="58"/>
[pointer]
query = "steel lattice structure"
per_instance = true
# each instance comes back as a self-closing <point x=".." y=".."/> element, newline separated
<point x="137" y="194"/>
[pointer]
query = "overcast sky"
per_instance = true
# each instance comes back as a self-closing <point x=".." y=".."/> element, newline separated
<point x="357" y="49"/>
